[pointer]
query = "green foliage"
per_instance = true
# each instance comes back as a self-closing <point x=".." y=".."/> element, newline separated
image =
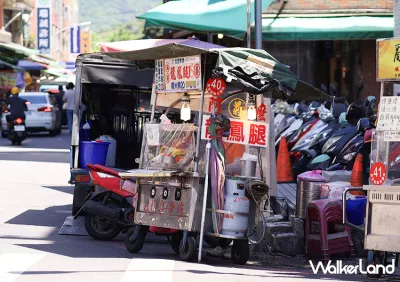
<point x="115" y="21"/>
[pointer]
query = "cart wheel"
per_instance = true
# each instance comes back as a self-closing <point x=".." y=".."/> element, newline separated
<point x="175" y="241"/>
<point x="377" y="259"/>
<point x="240" y="252"/>
<point x="188" y="252"/>
<point x="136" y="245"/>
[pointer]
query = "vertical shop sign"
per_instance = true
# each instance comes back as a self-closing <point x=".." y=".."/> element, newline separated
<point x="75" y="41"/>
<point x="43" y="12"/>
<point x="86" y="42"/>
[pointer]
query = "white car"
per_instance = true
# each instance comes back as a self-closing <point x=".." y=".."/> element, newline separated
<point x="42" y="115"/>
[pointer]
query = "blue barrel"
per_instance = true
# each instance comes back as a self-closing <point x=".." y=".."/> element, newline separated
<point x="92" y="152"/>
<point x="355" y="210"/>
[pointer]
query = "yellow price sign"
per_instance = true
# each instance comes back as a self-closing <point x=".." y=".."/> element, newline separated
<point x="388" y="59"/>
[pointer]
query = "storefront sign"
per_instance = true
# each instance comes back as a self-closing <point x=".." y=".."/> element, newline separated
<point x="243" y="132"/>
<point x="216" y="86"/>
<point x="377" y="174"/>
<point x="75" y="40"/>
<point x="388" y="59"/>
<point x="237" y="108"/>
<point x="8" y="80"/>
<point x="43" y="12"/>
<point x="178" y="74"/>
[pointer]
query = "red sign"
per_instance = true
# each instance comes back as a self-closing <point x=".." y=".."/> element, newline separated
<point x="377" y="174"/>
<point x="216" y="86"/>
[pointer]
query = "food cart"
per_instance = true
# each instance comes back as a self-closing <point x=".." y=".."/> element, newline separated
<point x="212" y="173"/>
<point x="382" y="227"/>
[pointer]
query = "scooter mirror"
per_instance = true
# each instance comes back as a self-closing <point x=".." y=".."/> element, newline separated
<point x="363" y="124"/>
<point x="333" y="89"/>
<point x="324" y="88"/>
<point x="359" y="87"/>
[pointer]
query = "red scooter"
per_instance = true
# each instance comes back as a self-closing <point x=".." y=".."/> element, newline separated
<point x="110" y="210"/>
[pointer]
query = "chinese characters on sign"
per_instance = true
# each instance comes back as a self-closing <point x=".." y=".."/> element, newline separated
<point x="43" y="26"/>
<point x="8" y="79"/>
<point x="389" y="114"/>
<point x="237" y="108"/>
<point x="261" y="111"/>
<point x="75" y="40"/>
<point x="243" y="132"/>
<point x="216" y="86"/>
<point x="178" y="74"/>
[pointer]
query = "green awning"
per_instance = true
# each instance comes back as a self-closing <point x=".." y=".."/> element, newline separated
<point x="216" y="16"/>
<point x="55" y="73"/>
<point x="19" y="49"/>
<point x="328" y="28"/>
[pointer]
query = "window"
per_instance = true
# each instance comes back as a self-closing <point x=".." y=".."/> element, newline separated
<point x="35" y="99"/>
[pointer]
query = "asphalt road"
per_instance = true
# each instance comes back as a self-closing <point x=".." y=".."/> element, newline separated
<point x="35" y="199"/>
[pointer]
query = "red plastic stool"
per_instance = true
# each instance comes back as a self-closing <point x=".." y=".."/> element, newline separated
<point x="329" y="241"/>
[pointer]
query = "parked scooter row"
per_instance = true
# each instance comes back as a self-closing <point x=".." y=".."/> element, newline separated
<point x="329" y="135"/>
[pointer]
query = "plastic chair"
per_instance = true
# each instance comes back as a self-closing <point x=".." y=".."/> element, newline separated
<point x="329" y="241"/>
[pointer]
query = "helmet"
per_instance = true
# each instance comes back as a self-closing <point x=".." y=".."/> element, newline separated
<point x="354" y="113"/>
<point x="15" y="91"/>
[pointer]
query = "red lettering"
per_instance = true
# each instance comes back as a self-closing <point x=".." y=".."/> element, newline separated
<point x="180" y="209"/>
<point x="236" y="133"/>
<point x="257" y="134"/>
<point x="197" y="70"/>
<point x="179" y="72"/>
<point x="261" y="111"/>
<point x="186" y="71"/>
<point x="217" y="102"/>
<point x="171" y="207"/>
<point x="396" y="69"/>
<point x="162" y="208"/>
<point x="208" y="123"/>
<point x="173" y="74"/>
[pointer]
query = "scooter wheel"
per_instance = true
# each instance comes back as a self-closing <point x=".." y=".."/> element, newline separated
<point x="188" y="252"/>
<point x="137" y="244"/>
<point x="176" y="241"/>
<point x="240" y="252"/>
<point x="100" y="228"/>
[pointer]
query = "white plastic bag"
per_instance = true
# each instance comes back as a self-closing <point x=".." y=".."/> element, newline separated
<point x="112" y="149"/>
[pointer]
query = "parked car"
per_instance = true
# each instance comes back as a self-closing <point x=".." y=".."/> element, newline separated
<point x="42" y="115"/>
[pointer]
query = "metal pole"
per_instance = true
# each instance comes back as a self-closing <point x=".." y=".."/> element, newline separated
<point x="248" y="24"/>
<point x="396" y="33"/>
<point x="203" y="212"/>
<point x="258" y="23"/>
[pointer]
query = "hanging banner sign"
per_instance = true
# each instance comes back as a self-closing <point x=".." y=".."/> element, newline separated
<point x="75" y="40"/>
<point x="216" y="86"/>
<point x="388" y="59"/>
<point x="243" y="132"/>
<point x="43" y="12"/>
<point x="178" y="74"/>
<point x="86" y="42"/>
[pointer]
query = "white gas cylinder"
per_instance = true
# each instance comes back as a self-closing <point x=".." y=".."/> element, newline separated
<point x="235" y="224"/>
<point x="112" y="149"/>
<point x="235" y="186"/>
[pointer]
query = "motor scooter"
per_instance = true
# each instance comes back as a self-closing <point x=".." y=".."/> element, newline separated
<point x="110" y="209"/>
<point x="16" y="130"/>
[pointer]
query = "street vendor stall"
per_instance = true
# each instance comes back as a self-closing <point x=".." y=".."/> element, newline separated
<point x="211" y="172"/>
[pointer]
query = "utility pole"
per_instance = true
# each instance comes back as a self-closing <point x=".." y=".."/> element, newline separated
<point x="248" y="23"/>
<point x="258" y="23"/>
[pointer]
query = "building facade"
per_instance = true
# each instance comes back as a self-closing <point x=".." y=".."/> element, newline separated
<point x="343" y="60"/>
<point x="64" y="15"/>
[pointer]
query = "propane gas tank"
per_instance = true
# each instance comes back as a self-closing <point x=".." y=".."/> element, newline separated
<point x="235" y="186"/>
<point x="235" y="224"/>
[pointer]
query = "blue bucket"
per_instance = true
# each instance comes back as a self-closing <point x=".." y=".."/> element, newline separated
<point x="355" y="210"/>
<point x="92" y="152"/>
